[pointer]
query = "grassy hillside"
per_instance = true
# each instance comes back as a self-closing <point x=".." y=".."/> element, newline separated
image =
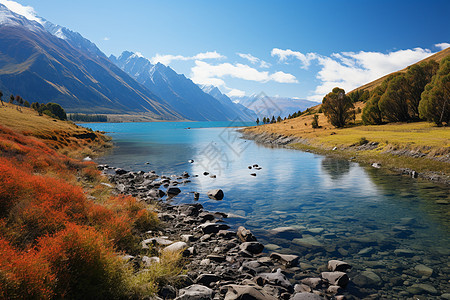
<point x="61" y="228"/>
<point x="436" y="57"/>
<point x="66" y="136"/>
<point x="417" y="146"/>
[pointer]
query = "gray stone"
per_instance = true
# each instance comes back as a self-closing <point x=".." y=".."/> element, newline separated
<point x="173" y="191"/>
<point x="252" y="247"/>
<point x="285" y="259"/>
<point x="306" y="296"/>
<point x="404" y="252"/>
<point x="245" y="235"/>
<point x="195" y="292"/>
<point x="208" y="228"/>
<point x="367" y="279"/>
<point x="423" y="270"/>
<point x="250" y="292"/>
<point x="338" y="265"/>
<point x="335" y="278"/>
<point x="216" y="194"/>
<point x="207" y="279"/>
<point x="422" y="288"/>
<point x="313" y="282"/>
<point x="308" y="242"/>
<point x="276" y="278"/>
<point x="366" y="251"/>
<point x="175" y="247"/>
<point x="285" y="232"/>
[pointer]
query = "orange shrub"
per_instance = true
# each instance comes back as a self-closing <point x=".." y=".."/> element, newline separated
<point x="24" y="275"/>
<point x="84" y="264"/>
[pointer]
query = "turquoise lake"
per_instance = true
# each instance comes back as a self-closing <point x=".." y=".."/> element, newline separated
<point x="302" y="203"/>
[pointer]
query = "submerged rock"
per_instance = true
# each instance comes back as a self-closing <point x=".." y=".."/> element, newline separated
<point x="367" y="279"/>
<point x="335" y="278"/>
<point x="338" y="265"/>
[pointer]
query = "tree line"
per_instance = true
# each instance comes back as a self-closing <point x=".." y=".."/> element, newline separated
<point x="421" y="93"/>
<point x="87" y="118"/>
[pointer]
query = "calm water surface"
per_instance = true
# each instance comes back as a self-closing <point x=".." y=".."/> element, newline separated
<point x="378" y="221"/>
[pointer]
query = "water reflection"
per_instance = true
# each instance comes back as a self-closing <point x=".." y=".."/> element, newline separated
<point x="335" y="208"/>
<point x="336" y="168"/>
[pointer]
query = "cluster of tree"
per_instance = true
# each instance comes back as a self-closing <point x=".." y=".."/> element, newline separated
<point x="91" y="118"/>
<point x="296" y="114"/>
<point x="268" y="120"/>
<point x="359" y="96"/>
<point x="338" y="107"/>
<point x="53" y="110"/>
<point x="421" y="93"/>
<point x="19" y="100"/>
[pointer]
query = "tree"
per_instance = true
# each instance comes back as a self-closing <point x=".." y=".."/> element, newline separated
<point x="371" y="114"/>
<point x="53" y="110"/>
<point x="257" y="121"/>
<point x="273" y="120"/>
<point x="1" y="95"/>
<point x="418" y="76"/>
<point x="394" y="102"/>
<point x="11" y="99"/>
<point x="435" y="103"/>
<point x="26" y="103"/>
<point x="338" y="107"/>
<point x="315" y="121"/>
<point x="279" y="119"/>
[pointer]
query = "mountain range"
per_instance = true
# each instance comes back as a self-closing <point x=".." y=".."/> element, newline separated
<point x="63" y="67"/>
<point x="45" y="62"/>
<point x="187" y="98"/>
<point x="268" y="106"/>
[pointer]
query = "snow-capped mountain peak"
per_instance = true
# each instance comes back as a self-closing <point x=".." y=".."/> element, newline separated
<point x="10" y="18"/>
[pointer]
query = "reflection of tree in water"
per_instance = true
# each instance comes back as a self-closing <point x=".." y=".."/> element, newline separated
<point x="336" y="168"/>
<point x="430" y="198"/>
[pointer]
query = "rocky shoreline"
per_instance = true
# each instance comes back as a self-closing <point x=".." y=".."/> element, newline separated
<point x="279" y="140"/>
<point x="222" y="264"/>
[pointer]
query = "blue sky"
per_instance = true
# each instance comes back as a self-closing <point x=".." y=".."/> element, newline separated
<point x="288" y="48"/>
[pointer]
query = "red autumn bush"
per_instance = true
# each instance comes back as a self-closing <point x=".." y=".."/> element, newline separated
<point x="84" y="264"/>
<point x="24" y="275"/>
<point x="54" y="241"/>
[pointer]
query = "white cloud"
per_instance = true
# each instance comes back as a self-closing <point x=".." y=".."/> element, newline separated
<point x="284" y="55"/>
<point x="235" y="93"/>
<point x="205" y="73"/>
<point x="349" y="70"/>
<point x="254" y="60"/>
<point x="106" y="38"/>
<point x="283" y="77"/>
<point x="442" y="46"/>
<point x="249" y="57"/>
<point x="26" y="11"/>
<point x="168" y="58"/>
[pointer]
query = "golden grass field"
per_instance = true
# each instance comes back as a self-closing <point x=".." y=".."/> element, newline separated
<point x="64" y="135"/>
<point x="396" y="141"/>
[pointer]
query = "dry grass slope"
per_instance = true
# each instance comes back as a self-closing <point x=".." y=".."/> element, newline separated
<point x="436" y="57"/>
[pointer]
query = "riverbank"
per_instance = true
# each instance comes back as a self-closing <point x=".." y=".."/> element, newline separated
<point x="417" y="149"/>
<point x="225" y="264"/>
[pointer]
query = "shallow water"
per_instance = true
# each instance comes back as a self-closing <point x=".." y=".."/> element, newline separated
<point x="373" y="219"/>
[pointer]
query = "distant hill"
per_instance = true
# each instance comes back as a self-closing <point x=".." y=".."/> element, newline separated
<point x="436" y="57"/>
<point x="53" y="64"/>
<point x="266" y="106"/>
<point x="184" y="96"/>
